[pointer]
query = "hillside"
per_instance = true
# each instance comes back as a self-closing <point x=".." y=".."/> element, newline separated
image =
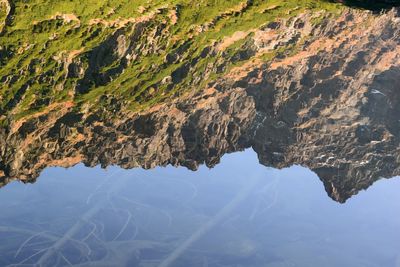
<point x="137" y="53"/>
<point x="308" y="82"/>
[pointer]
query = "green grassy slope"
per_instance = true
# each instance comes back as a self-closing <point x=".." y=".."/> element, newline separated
<point x="68" y="50"/>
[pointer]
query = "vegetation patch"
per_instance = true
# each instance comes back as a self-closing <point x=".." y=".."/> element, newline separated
<point x="138" y="53"/>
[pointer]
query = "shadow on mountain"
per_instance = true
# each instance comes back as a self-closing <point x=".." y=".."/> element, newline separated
<point x="373" y="5"/>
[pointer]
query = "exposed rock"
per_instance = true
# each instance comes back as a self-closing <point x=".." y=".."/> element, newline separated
<point x="6" y="8"/>
<point x="331" y="105"/>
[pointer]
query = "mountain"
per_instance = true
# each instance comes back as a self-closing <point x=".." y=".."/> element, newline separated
<point x="308" y="83"/>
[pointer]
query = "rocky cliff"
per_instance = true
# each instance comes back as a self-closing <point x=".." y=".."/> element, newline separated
<point x="316" y="88"/>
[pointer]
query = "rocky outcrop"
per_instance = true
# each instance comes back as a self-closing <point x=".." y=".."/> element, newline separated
<point x="333" y="106"/>
<point x="5" y="12"/>
<point x="329" y="103"/>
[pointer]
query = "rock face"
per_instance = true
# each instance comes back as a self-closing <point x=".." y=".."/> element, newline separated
<point x="331" y="103"/>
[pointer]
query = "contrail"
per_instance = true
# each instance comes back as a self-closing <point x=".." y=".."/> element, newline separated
<point x="210" y="224"/>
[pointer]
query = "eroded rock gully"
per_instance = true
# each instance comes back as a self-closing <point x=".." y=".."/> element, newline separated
<point x="331" y="105"/>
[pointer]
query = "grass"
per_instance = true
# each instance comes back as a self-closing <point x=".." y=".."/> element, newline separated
<point x="42" y="32"/>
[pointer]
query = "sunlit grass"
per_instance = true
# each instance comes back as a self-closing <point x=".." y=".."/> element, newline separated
<point x="42" y="32"/>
